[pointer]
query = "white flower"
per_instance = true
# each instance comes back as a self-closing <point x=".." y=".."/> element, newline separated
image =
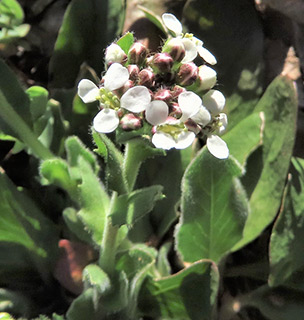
<point x="114" y="53"/>
<point x="136" y="99"/>
<point x="223" y="122"/>
<point x="206" y="77"/>
<point x="170" y="132"/>
<point x="202" y="117"/>
<point x="217" y="147"/>
<point x="192" y="47"/>
<point x="214" y="101"/>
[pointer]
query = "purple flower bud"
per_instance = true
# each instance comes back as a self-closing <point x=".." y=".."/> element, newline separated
<point x="193" y="126"/>
<point x="164" y="95"/>
<point x="175" y="110"/>
<point x="133" y="71"/>
<point x="146" y="78"/>
<point x="137" y="53"/>
<point x="130" y="122"/>
<point x="175" y="48"/>
<point x="187" y="74"/>
<point x="176" y="91"/>
<point x="162" y="62"/>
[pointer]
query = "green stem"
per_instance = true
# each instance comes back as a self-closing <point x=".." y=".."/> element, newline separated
<point x="108" y="244"/>
<point x="132" y="162"/>
<point x="23" y="132"/>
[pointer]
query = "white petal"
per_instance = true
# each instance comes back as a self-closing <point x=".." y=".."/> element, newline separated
<point x="157" y="112"/>
<point x="184" y="139"/>
<point x="207" y="77"/>
<point x="106" y="121"/>
<point x="214" y="101"/>
<point x="198" y="42"/>
<point x="189" y="102"/>
<point x="136" y="99"/>
<point x="88" y="91"/>
<point x="203" y="117"/>
<point x="207" y="55"/>
<point x="172" y="23"/>
<point x="163" y="141"/>
<point x="191" y="50"/>
<point x="217" y="147"/>
<point x="224" y="122"/>
<point x="116" y="77"/>
<point x="114" y="53"/>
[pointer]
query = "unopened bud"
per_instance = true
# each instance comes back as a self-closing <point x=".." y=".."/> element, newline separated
<point x="206" y="78"/>
<point x="193" y="126"/>
<point x="175" y="48"/>
<point x="137" y="53"/>
<point x="176" y="91"/>
<point x="133" y="71"/>
<point x="175" y="110"/>
<point x="162" y="62"/>
<point x="187" y="74"/>
<point x="114" y="53"/>
<point x="130" y="122"/>
<point x="163" y="94"/>
<point x="146" y="78"/>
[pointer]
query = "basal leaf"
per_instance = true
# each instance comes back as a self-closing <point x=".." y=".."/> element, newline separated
<point x="101" y="21"/>
<point x="214" y="209"/>
<point x="245" y="137"/>
<point x="287" y="237"/>
<point x="279" y="105"/>
<point x="24" y="224"/>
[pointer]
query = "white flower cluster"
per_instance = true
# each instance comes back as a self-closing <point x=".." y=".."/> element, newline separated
<point x="166" y="90"/>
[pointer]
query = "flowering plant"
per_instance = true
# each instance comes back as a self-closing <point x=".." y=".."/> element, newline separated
<point x="119" y="197"/>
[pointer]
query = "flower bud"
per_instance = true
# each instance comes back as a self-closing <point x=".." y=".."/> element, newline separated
<point x="162" y="62"/>
<point x="175" y="110"/>
<point x="114" y="53"/>
<point x="137" y="53"/>
<point x="146" y="78"/>
<point x="175" y="48"/>
<point x="176" y="91"/>
<point x="163" y="94"/>
<point x="133" y="71"/>
<point x="206" y="78"/>
<point x="130" y="122"/>
<point x="187" y="74"/>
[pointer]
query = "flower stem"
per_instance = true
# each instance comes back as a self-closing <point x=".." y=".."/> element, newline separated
<point x="108" y="244"/>
<point x="22" y="130"/>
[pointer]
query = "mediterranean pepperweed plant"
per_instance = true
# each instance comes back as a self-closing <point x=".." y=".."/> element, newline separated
<point x="137" y="200"/>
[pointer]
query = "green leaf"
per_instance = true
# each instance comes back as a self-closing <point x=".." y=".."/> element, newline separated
<point x="279" y="135"/>
<point x="245" y="137"/>
<point x="126" y="41"/>
<point x="277" y="304"/>
<point x="75" y="149"/>
<point x="137" y="264"/>
<point x="101" y="21"/>
<point x="12" y="9"/>
<point x="7" y="36"/>
<point x="133" y="206"/>
<point x="97" y="278"/>
<point x="114" y="160"/>
<point x="82" y="307"/>
<point x="153" y="18"/>
<point x="163" y="265"/>
<point x="214" y="209"/>
<point x="94" y="201"/>
<point x="287" y="237"/>
<point x="5" y="316"/>
<point x="11" y="90"/>
<point x="187" y="294"/>
<point x="38" y="101"/>
<point x="14" y="302"/>
<point x="239" y="50"/>
<point x="24" y="224"/>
